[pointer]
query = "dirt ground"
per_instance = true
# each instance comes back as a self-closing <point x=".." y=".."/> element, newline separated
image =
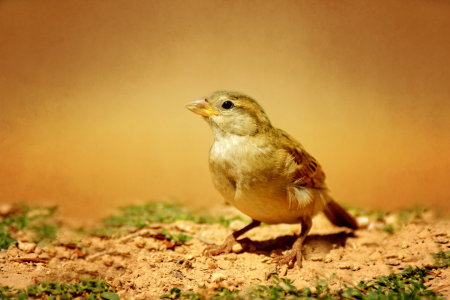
<point x="140" y="266"/>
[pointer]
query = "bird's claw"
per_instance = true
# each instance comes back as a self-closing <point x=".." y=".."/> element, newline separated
<point x="226" y="247"/>
<point x="288" y="259"/>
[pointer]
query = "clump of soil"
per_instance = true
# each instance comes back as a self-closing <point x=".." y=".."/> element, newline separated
<point x="145" y="265"/>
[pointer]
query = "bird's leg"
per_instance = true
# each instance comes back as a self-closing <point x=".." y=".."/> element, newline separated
<point x="295" y="254"/>
<point x="229" y="241"/>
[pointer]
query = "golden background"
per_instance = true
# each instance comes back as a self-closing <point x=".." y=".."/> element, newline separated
<point x="92" y="96"/>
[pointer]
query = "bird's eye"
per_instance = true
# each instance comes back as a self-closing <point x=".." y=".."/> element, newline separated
<point x="227" y="105"/>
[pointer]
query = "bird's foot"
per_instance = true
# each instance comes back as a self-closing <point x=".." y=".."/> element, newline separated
<point x="294" y="255"/>
<point x="226" y="247"/>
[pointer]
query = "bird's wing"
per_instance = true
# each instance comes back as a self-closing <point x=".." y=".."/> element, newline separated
<point x="305" y="171"/>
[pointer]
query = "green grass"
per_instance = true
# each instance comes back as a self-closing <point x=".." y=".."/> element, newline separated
<point x="87" y="289"/>
<point x="135" y="217"/>
<point x="442" y="259"/>
<point x="176" y="239"/>
<point x="35" y="219"/>
<point x="410" y="284"/>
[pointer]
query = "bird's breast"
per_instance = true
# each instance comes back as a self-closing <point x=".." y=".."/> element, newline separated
<point x="249" y="177"/>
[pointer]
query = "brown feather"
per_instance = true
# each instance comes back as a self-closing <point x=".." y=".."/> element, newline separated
<point x="339" y="216"/>
<point x="308" y="172"/>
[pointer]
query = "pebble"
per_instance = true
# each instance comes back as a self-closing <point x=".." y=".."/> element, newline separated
<point x="441" y="240"/>
<point x="392" y="262"/>
<point x="178" y="274"/>
<point x="122" y="250"/>
<point x="217" y="277"/>
<point x="26" y="247"/>
<point x="345" y="266"/>
<point x="316" y="257"/>
<point x="392" y="219"/>
<point x="237" y="248"/>
<point x="363" y="222"/>
<point x="236" y="225"/>
<point x="107" y="260"/>
<point x="139" y="242"/>
<point x="99" y="245"/>
<point x="355" y="268"/>
<point x="62" y="253"/>
<point x="404" y="245"/>
<point x="5" y="209"/>
<point x="152" y="245"/>
<point x="50" y="251"/>
<point x="184" y="226"/>
<point x="328" y="259"/>
<point x="266" y="259"/>
<point x="231" y="257"/>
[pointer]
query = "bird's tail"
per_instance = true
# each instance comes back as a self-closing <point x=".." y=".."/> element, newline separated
<point x="338" y="215"/>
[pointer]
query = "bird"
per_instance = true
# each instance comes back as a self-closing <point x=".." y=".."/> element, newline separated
<point x="264" y="172"/>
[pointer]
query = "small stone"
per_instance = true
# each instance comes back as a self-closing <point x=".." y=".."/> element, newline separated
<point x="178" y="274"/>
<point x="316" y="257"/>
<point x="355" y="268"/>
<point x="266" y="259"/>
<point x="392" y="262"/>
<point x="50" y="251"/>
<point x="5" y="209"/>
<point x="62" y="253"/>
<point x="404" y="245"/>
<point x="212" y="265"/>
<point x="391" y="219"/>
<point x="441" y="240"/>
<point x="99" y="245"/>
<point x="107" y="260"/>
<point x="139" y="242"/>
<point x="236" y="225"/>
<point x="184" y="226"/>
<point x="217" y="277"/>
<point x="26" y="247"/>
<point x="345" y="266"/>
<point x="122" y="250"/>
<point x="189" y="256"/>
<point x="328" y="259"/>
<point x="363" y="221"/>
<point x="152" y="245"/>
<point x="237" y="248"/>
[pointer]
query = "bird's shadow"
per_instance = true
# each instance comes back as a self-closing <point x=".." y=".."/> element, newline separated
<point x="320" y="244"/>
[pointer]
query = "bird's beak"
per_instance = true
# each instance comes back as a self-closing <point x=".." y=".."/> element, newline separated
<point x="202" y="107"/>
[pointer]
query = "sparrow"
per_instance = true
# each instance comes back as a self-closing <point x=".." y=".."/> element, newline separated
<point x="263" y="171"/>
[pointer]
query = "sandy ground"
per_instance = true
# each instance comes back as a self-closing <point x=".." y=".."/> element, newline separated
<point x="140" y="266"/>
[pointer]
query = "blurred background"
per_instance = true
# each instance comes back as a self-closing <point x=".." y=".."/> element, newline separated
<point x="92" y="96"/>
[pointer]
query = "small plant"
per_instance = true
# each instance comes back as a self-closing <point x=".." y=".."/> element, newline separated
<point x="34" y="219"/>
<point x="389" y="228"/>
<point x="442" y="259"/>
<point x="139" y="216"/>
<point x="86" y="289"/>
<point x="409" y="284"/>
<point x="5" y="240"/>
<point x="170" y="240"/>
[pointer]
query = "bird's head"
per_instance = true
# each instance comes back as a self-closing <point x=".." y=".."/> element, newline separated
<point x="231" y="113"/>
